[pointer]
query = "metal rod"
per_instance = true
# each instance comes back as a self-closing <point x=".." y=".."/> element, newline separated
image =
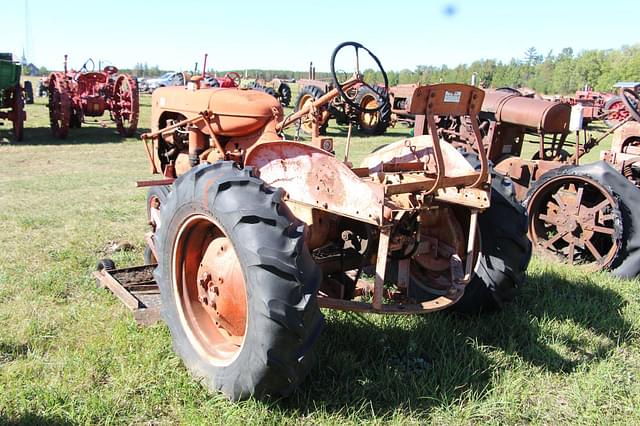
<point x="471" y="243"/>
<point x="348" y="145"/>
<point x="381" y="266"/>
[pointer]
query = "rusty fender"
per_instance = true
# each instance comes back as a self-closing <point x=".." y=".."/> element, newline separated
<point x="315" y="178"/>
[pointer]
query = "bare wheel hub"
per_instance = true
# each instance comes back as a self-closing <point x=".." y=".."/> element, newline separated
<point x="221" y="287"/>
<point x="210" y="289"/>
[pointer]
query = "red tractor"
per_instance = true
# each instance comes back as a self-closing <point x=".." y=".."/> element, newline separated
<point x="76" y="95"/>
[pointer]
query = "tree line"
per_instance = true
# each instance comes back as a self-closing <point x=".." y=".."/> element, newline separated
<point x="562" y="73"/>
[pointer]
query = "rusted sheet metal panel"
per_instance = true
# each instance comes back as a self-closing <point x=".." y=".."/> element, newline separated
<point x="235" y="112"/>
<point x="549" y="117"/>
<point x="312" y="176"/>
<point x="418" y="149"/>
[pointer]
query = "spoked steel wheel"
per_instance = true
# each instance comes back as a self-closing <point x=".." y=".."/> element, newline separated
<point x="126" y="105"/>
<point x="577" y="219"/>
<point x="59" y="107"/>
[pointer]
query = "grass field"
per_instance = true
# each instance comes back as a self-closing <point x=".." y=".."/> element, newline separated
<point x="567" y="351"/>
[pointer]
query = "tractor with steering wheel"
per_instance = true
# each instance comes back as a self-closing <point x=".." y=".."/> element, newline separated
<point x="253" y="233"/>
<point x="76" y="95"/>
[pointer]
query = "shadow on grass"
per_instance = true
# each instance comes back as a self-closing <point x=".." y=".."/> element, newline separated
<point x="91" y="133"/>
<point x="33" y="419"/>
<point x="419" y="363"/>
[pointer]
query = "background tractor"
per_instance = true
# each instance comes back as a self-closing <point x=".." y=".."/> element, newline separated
<point x="253" y="233"/>
<point x="581" y="214"/>
<point x="76" y="95"/>
<point x="11" y="95"/>
<point x="366" y="106"/>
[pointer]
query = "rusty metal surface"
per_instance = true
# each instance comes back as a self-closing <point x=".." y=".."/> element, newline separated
<point x="315" y="178"/>
<point x="209" y="289"/>
<point x="418" y="149"/>
<point x="573" y="217"/>
<point x="545" y="116"/>
<point x="234" y="112"/>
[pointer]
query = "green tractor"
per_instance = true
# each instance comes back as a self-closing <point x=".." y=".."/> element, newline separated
<point x="11" y="97"/>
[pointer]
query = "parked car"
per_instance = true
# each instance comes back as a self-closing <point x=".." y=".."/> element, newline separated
<point x="172" y="78"/>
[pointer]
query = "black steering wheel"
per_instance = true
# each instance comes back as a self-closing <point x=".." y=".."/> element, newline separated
<point x="382" y="99"/>
<point x="631" y="102"/>
<point x="84" y="66"/>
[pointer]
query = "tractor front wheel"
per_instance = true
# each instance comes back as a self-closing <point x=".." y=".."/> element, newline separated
<point x="615" y="111"/>
<point x="238" y="284"/>
<point x="376" y="122"/>
<point x="306" y="96"/>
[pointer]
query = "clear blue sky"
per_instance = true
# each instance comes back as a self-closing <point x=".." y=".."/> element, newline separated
<point x="288" y="34"/>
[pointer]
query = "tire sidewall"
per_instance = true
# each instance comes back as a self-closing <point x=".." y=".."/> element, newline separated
<point x="199" y="365"/>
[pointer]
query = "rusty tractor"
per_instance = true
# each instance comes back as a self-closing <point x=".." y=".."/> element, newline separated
<point x="366" y="106"/>
<point x="11" y="95"/>
<point x="253" y="233"/>
<point x="581" y="214"/>
<point x="76" y="95"/>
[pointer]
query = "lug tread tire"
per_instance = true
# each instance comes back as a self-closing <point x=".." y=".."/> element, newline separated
<point x="384" y="115"/>
<point x="315" y="93"/>
<point x="281" y="279"/>
<point x="626" y="263"/>
<point x="505" y="252"/>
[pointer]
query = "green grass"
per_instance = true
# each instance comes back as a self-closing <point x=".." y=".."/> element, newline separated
<point x="567" y="351"/>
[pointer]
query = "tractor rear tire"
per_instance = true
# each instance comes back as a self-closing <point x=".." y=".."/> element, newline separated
<point x="376" y="123"/>
<point x="28" y="92"/>
<point x="148" y="256"/>
<point x="505" y="250"/>
<point x="217" y="206"/>
<point x="285" y="94"/>
<point x="624" y="216"/>
<point x="309" y="94"/>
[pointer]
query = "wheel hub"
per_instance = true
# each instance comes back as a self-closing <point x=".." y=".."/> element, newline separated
<point x="221" y="287"/>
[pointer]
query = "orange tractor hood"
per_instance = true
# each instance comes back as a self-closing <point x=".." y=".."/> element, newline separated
<point x="235" y="111"/>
